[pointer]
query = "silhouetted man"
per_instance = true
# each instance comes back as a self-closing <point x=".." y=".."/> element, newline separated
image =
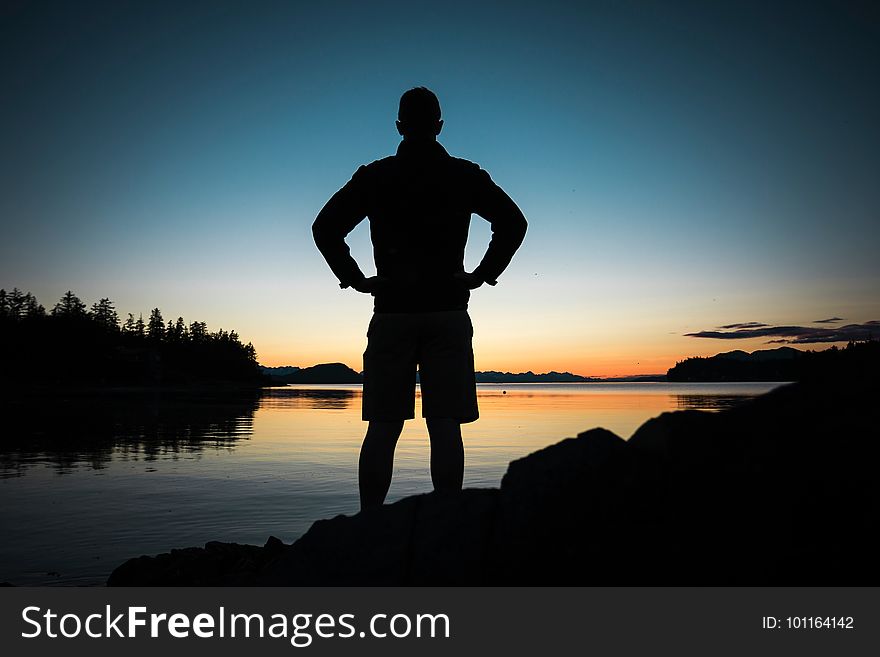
<point x="419" y="203"/>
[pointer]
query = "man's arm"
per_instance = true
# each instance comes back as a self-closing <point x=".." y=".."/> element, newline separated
<point x="508" y="227"/>
<point x="344" y="211"/>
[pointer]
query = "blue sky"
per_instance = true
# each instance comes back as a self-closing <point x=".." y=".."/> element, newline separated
<point x="682" y="167"/>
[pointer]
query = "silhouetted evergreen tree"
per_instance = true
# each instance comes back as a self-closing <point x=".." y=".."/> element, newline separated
<point x="198" y="331"/>
<point x="15" y="303"/>
<point x="104" y="314"/>
<point x="250" y="353"/>
<point x="156" y="326"/>
<point x="32" y="309"/>
<point x="128" y="326"/>
<point x="19" y="305"/>
<point x="69" y="306"/>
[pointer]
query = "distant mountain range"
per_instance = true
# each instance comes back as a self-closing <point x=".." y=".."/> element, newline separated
<point x="341" y="373"/>
<point x="558" y="377"/>
<point x="781" y="364"/>
<point x="531" y="377"/>
<point x="279" y="371"/>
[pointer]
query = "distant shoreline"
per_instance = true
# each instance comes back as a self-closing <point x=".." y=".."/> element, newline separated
<point x="339" y="373"/>
<point x="783" y="364"/>
<point x="555" y="383"/>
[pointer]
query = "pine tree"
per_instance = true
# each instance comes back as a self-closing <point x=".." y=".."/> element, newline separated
<point x="33" y="309"/>
<point x="129" y="327"/>
<point x="198" y="331"/>
<point x="69" y="306"/>
<point x="180" y="330"/>
<point x="104" y="314"/>
<point x="16" y="305"/>
<point x="156" y="325"/>
<point x="175" y="331"/>
<point x="250" y="352"/>
<point x="16" y="301"/>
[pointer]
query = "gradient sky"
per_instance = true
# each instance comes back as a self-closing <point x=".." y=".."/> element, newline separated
<point x="682" y="167"/>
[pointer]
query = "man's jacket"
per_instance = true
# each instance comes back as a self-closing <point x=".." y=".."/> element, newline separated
<point x="419" y="203"/>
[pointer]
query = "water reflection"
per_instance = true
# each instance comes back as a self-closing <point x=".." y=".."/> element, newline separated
<point x="68" y="431"/>
<point x="709" y="402"/>
<point x="143" y="473"/>
<point x="312" y="397"/>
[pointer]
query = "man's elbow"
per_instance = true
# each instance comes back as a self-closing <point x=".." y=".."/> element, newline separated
<point x="520" y="227"/>
<point x="320" y="234"/>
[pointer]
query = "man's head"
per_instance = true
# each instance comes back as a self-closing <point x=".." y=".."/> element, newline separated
<point x="419" y="114"/>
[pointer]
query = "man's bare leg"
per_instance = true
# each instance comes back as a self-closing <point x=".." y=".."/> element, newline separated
<point x="377" y="462"/>
<point x="447" y="454"/>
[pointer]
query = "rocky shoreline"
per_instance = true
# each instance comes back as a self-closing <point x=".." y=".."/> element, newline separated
<point x="782" y="490"/>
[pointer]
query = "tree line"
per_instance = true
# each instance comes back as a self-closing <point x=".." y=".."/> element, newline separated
<point x="76" y="344"/>
<point x="855" y="360"/>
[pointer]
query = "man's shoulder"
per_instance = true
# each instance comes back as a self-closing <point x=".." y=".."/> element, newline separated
<point x="368" y="174"/>
<point x="471" y="173"/>
<point x="381" y="164"/>
<point x="465" y="165"/>
<point x="465" y="170"/>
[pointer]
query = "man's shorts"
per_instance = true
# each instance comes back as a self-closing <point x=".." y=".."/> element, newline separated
<point x="439" y="344"/>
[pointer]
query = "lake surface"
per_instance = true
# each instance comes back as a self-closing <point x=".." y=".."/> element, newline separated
<point x="87" y="482"/>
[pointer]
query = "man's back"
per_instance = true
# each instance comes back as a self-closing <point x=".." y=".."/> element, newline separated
<point x="419" y="203"/>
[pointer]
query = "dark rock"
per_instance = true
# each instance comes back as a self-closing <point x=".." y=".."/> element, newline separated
<point x="568" y="489"/>
<point x="273" y="545"/>
<point x="217" y="564"/>
<point x="425" y="539"/>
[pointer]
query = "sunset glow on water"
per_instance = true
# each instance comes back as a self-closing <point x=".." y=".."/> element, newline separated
<point x="77" y="504"/>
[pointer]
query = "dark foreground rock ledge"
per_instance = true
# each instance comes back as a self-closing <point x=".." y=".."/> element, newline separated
<point x="782" y="490"/>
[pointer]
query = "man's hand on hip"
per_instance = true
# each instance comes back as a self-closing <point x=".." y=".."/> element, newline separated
<point x="470" y="281"/>
<point x="369" y="285"/>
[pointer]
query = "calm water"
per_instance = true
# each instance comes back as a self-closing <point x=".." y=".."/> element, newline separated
<point x="86" y="483"/>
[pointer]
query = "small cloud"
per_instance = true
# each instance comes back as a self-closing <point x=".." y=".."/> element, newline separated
<point x="794" y="334"/>
<point x="744" y="325"/>
<point x="830" y="320"/>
